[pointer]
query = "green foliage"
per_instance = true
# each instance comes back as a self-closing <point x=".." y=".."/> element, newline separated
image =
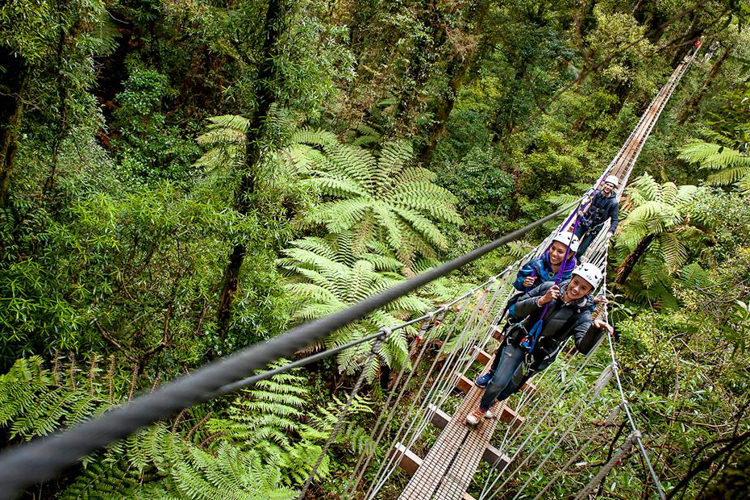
<point x="26" y="28"/>
<point x="267" y="415"/>
<point x="33" y="404"/>
<point x="382" y="197"/>
<point x="327" y="275"/>
<point x="175" y="469"/>
<point x="275" y="420"/>
<point x="731" y="166"/>
<point x="149" y="148"/>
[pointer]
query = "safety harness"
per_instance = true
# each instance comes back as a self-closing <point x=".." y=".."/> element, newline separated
<point x="529" y="341"/>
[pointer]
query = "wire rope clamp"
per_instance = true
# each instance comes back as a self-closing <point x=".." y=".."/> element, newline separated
<point x="385" y="332"/>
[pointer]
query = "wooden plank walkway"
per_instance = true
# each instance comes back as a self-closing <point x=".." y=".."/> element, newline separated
<point x="449" y="467"/>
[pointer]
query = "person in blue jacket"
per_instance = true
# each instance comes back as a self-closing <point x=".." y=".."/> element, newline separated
<point x="602" y="208"/>
<point x="541" y="270"/>
<point x="546" y="267"/>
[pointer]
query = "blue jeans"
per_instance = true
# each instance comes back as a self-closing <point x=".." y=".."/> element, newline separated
<point x="508" y="377"/>
<point x="586" y="240"/>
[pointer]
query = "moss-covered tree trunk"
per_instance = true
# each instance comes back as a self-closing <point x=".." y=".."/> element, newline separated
<point x="623" y="272"/>
<point x="12" y="85"/>
<point x="276" y="20"/>
<point x="457" y="69"/>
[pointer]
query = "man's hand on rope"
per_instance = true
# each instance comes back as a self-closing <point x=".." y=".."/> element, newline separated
<point x="603" y="325"/>
<point x="529" y="281"/>
<point x="601" y="299"/>
<point x="552" y="294"/>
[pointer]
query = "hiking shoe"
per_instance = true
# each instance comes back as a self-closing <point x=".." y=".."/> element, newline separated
<point x="484" y="379"/>
<point x="475" y="416"/>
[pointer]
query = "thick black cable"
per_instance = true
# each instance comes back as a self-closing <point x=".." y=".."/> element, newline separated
<point x="41" y="459"/>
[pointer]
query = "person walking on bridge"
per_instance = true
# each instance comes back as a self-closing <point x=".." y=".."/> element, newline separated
<point x="541" y="270"/>
<point x="546" y="267"/>
<point x="602" y="208"/>
<point x="523" y="354"/>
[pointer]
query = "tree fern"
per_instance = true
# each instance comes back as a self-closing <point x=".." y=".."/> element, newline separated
<point x="655" y="232"/>
<point x="730" y="166"/>
<point x="384" y="197"/>
<point x="326" y="275"/>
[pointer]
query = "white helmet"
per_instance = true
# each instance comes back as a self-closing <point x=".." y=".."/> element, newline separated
<point x="590" y="273"/>
<point x="564" y="237"/>
<point x="612" y="179"/>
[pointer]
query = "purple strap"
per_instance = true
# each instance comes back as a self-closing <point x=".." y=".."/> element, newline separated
<point x="537" y="328"/>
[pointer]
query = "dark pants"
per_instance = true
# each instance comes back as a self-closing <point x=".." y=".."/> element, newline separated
<point x="508" y="376"/>
<point x="586" y="240"/>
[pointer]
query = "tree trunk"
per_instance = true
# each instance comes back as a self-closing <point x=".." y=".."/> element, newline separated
<point x="649" y="14"/>
<point x="698" y="96"/>
<point x="457" y="69"/>
<point x="66" y="43"/>
<point x="623" y="272"/>
<point x="12" y="85"/>
<point x="276" y="19"/>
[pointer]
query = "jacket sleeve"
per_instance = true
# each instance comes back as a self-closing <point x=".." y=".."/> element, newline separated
<point x="581" y="327"/>
<point x="523" y="273"/>
<point x="589" y="340"/>
<point x="614" y="216"/>
<point x="527" y="303"/>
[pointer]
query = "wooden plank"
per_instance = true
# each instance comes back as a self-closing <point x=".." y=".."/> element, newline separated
<point x="509" y="416"/>
<point x="528" y="386"/>
<point x="497" y="334"/>
<point x="438" y="417"/>
<point x="481" y="356"/>
<point x="493" y="457"/>
<point x="410" y="462"/>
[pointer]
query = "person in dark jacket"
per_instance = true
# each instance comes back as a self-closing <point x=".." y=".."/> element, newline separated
<point x="569" y="315"/>
<point x="602" y="208"/>
<point x="541" y="270"/>
<point x="546" y="267"/>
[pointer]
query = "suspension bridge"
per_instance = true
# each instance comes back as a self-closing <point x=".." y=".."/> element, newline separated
<point x="451" y="342"/>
